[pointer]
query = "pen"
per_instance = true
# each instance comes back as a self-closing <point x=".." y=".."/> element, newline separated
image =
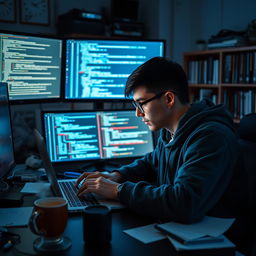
<point x="8" y="245"/>
<point x="72" y="174"/>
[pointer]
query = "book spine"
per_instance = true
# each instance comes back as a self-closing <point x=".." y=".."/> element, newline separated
<point x="227" y="69"/>
<point x="210" y="70"/>
<point x="241" y="68"/>
<point x="254" y="67"/>
<point x="247" y="67"/>
<point x="250" y="67"/>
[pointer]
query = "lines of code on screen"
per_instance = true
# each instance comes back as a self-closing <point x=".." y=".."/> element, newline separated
<point x="99" y="69"/>
<point x="95" y="135"/>
<point x="31" y="66"/>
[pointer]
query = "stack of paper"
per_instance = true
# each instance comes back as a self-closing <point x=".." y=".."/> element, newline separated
<point x="206" y="234"/>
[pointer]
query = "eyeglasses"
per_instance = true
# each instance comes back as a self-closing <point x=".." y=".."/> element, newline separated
<point x="139" y="105"/>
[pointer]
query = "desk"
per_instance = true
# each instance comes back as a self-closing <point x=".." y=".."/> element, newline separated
<point x="121" y="245"/>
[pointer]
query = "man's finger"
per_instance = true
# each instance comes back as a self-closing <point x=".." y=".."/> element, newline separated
<point x="86" y="184"/>
<point x="87" y="175"/>
<point x="93" y="175"/>
<point x="81" y="177"/>
<point x="89" y="189"/>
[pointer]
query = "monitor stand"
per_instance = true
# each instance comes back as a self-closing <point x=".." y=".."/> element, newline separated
<point x="98" y="105"/>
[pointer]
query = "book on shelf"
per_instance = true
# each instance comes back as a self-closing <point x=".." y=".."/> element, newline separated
<point x="205" y="71"/>
<point x="240" y="102"/>
<point x="254" y="68"/>
<point x="240" y="68"/>
<point x="208" y="94"/>
<point x="227" y="69"/>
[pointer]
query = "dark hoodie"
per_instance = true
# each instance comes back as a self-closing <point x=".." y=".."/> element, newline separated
<point x="190" y="176"/>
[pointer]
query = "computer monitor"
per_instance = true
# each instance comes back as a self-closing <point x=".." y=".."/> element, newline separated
<point x="98" y="69"/>
<point x="79" y="136"/>
<point x="6" y="143"/>
<point x="31" y="66"/>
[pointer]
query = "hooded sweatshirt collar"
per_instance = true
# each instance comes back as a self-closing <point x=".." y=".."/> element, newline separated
<point x="199" y="112"/>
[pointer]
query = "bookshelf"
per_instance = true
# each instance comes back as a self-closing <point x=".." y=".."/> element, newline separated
<point x="225" y="76"/>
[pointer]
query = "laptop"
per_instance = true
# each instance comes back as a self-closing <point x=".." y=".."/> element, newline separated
<point x="66" y="188"/>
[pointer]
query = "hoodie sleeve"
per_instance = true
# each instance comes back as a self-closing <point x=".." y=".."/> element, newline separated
<point x="208" y="158"/>
<point x="141" y="169"/>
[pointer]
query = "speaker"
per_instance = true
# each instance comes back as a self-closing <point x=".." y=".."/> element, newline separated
<point x="81" y="21"/>
<point x="125" y="10"/>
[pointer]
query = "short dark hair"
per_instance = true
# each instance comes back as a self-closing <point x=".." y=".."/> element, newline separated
<point x="159" y="74"/>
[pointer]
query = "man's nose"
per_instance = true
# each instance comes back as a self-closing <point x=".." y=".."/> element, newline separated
<point x="138" y="113"/>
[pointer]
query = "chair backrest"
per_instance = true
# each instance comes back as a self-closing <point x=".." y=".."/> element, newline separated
<point x="247" y="128"/>
<point x="247" y="142"/>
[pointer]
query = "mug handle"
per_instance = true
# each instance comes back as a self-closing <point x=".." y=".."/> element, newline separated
<point x="33" y="223"/>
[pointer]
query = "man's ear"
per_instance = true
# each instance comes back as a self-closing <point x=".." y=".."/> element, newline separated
<point x="170" y="98"/>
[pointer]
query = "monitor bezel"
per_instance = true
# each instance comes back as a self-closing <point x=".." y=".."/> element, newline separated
<point x="84" y="161"/>
<point x="13" y="163"/>
<point x="117" y="100"/>
<point x="40" y="100"/>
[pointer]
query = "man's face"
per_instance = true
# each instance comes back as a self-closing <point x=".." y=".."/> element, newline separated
<point x="156" y="112"/>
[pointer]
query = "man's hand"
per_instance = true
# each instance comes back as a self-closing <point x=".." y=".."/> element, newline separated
<point x="99" y="185"/>
<point x="114" y="176"/>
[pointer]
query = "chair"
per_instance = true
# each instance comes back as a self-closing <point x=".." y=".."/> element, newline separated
<point x="247" y="140"/>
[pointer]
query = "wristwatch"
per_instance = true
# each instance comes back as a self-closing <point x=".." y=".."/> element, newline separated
<point x="119" y="188"/>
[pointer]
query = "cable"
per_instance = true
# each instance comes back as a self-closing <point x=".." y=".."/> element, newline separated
<point x="4" y="186"/>
<point x="12" y="240"/>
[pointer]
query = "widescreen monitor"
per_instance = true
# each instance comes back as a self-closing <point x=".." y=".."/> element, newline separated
<point x="31" y="66"/>
<point x="78" y="136"/>
<point x="6" y="143"/>
<point x="98" y="69"/>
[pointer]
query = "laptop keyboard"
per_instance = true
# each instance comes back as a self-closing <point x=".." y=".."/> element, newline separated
<point x="70" y="190"/>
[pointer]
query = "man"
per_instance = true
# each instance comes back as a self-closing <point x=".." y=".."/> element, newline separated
<point x="192" y="170"/>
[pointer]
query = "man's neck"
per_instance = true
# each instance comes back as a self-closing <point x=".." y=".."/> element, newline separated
<point x="177" y="115"/>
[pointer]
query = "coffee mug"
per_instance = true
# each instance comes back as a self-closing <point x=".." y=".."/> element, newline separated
<point x="49" y="220"/>
<point x="97" y="226"/>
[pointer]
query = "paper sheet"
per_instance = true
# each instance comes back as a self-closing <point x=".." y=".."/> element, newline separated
<point x="15" y="217"/>
<point x="35" y="187"/>
<point x="182" y="247"/>
<point x="145" y="234"/>
<point x="209" y="226"/>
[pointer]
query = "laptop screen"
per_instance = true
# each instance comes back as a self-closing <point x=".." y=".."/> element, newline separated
<point x="6" y="144"/>
<point x="76" y="136"/>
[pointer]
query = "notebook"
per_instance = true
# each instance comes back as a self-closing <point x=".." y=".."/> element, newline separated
<point x="66" y="188"/>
